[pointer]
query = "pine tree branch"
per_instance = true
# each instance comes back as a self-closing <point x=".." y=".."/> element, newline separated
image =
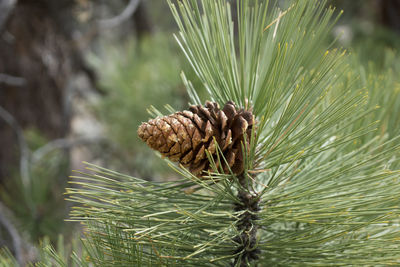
<point x="122" y="17"/>
<point x="24" y="149"/>
<point x="5" y="214"/>
<point x="247" y="226"/>
<point x="6" y="6"/>
<point x="11" y="80"/>
<point x="61" y="143"/>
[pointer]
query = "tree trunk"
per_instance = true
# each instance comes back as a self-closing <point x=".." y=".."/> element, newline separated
<point x="390" y="14"/>
<point x="38" y="60"/>
<point x="142" y="23"/>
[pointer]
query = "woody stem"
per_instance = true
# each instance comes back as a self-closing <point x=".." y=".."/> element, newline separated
<point x="246" y="226"/>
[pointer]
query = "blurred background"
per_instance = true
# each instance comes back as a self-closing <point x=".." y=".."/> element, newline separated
<point x="76" y="80"/>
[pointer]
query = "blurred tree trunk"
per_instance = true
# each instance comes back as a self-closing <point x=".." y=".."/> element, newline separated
<point x="142" y="23"/>
<point x="38" y="60"/>
<point x="390" y="14"/>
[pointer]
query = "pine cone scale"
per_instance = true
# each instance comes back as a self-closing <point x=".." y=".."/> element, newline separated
<point x="200" y="154"/>
<point x="185" y="159"/>
<point x="227" y="139"/>
<point x="187" y="132"/>
<point x="196" y="137"/>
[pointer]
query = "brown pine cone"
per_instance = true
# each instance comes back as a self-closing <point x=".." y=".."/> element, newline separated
<point x="186" y="135"/>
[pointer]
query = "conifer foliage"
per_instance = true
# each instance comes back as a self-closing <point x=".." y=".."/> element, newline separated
<point x="317" y="184"/>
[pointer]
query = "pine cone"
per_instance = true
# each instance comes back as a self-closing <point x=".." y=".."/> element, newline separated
<point x="186" y="135"/>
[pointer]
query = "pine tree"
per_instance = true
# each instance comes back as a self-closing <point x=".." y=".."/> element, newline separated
<point x="320" y="177"/>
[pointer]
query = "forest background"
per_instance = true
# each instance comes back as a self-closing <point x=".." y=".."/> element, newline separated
<point x="76" y="80"/>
